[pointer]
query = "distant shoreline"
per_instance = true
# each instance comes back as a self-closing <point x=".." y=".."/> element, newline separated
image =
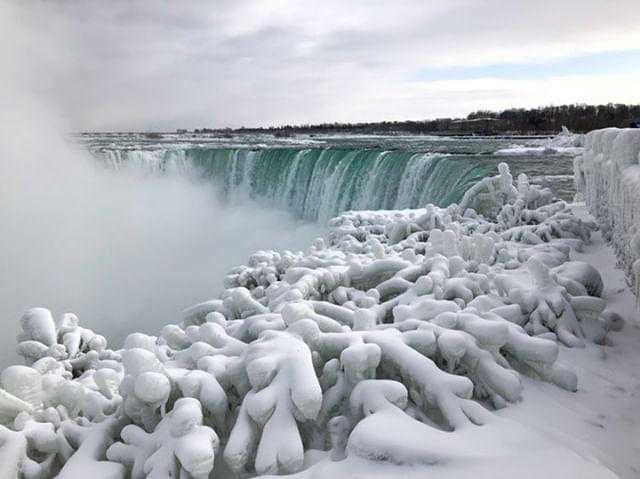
<point x="222" y="133"/>
<point x="512" y="123"/>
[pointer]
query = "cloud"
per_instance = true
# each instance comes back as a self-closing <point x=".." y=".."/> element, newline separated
<point x="162" y="65"/>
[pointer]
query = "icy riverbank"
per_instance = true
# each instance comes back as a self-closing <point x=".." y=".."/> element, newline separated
<point x="407" y="340"/>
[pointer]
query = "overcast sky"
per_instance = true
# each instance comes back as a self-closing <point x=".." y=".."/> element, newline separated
<point x="161" y="65"/>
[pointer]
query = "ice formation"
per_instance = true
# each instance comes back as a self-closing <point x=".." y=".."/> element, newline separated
<point x="607" y="178"/>
<point x="564" y="143"/>
<point x="427" y="318"/>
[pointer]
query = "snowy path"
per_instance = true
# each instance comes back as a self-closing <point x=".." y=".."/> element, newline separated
<point x="603" y="417"/>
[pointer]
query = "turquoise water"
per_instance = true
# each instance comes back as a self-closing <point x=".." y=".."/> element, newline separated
<point x="318" y="183"/>
<point x="316" y="177"/>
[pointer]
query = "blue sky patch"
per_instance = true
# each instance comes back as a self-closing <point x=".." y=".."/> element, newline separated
<point x="605" y="63"/>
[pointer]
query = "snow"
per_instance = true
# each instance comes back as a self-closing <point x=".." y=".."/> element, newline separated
<point x="523" y="150"/>
<point x="503" y="449"/>
<point x="601" y="419"/>
<point x="564" y="143"/>
<point x="607" y="176"/>
<point x="480" y="340"/>
<point x="552" y="430"/>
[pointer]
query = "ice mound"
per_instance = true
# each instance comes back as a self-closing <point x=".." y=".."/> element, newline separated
<point x="564" y="143"/>
<point x="607" y="178"/>
<point x="401" y="326"/>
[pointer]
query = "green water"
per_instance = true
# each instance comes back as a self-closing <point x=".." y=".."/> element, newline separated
<point x="318" y="183"/>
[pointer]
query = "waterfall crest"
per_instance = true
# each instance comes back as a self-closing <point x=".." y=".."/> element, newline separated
<point x="316" y="184"/>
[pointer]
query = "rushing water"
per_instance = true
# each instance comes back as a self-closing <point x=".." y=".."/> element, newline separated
<point x="316" y="184"/>
<point x="316" y="178"/>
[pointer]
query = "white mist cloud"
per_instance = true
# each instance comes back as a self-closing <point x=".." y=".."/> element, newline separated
<point x="125" y="253"/>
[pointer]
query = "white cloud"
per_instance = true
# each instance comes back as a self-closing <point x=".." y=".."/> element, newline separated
<point x="457" y="97"/>
<point x="162" y="64"/>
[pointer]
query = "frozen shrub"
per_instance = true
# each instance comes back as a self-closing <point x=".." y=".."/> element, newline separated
<point x="421" y="318"/>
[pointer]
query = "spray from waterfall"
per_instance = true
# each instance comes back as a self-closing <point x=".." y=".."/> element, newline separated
<point x="127" y="252"/>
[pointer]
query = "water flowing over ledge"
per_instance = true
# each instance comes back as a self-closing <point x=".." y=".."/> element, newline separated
<point x="316" y="184"/>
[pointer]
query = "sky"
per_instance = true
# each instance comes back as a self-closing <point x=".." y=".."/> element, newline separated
<point x="162" y="65"/>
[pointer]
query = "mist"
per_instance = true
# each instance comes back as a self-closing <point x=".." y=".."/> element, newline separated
<point x="124" y="251"/>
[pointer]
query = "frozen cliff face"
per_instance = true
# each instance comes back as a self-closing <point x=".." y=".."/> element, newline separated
<point x="401" y="328"/>
<point x="607" y="177"/>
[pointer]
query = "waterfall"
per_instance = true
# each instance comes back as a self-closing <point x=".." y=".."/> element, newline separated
<point x="316" y="184"/>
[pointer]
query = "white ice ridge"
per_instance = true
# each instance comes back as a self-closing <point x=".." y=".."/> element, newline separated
<point x="392" y="340"/>
<point x="607" y="177"/>
<point x="564" y="143"/>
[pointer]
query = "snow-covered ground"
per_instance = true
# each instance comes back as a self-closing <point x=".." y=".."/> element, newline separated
<point x="602" y="419"/>
<point x="476" y="341"/>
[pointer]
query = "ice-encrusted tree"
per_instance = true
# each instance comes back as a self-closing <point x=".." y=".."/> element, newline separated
<point x="428" y="316"/>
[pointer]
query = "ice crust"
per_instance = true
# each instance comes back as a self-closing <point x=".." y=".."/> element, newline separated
<point x="390" y="340"/>
<point x="564" y="143"/>
<point x="607" y="178"/>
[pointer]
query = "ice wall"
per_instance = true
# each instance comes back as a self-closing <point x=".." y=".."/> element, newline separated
<point x="607" y="177"/>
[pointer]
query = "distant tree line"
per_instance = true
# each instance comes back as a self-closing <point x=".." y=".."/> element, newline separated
<point x="579" y="118"/>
